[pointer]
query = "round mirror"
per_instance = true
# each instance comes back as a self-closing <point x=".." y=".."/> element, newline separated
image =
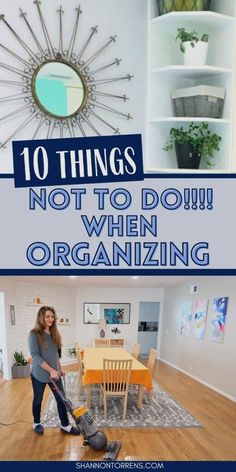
<point x="59" y="89"/>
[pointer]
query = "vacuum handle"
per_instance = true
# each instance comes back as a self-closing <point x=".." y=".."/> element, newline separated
<point x="62" y="395"/>
<point x="54" y="385"/>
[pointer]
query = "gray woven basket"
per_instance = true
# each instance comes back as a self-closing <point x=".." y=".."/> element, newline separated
<point x="202" y="101"/>
<point x="199" y="107"/>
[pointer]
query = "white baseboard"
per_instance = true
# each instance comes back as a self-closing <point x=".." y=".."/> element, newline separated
<point x="224" y="394"/>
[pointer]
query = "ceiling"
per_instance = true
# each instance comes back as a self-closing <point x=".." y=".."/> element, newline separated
<point x="109" y="281"/>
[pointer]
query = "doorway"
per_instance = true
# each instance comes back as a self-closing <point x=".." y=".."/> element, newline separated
<point x="148" y="327"/>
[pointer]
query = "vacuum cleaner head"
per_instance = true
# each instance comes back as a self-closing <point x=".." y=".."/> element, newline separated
<point x="113" y="449"/>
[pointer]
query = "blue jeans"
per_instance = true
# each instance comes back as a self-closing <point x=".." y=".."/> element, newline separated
<point x="38" y="389"/>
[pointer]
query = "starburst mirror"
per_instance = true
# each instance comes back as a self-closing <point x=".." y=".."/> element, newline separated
<point x="59" y="88"/>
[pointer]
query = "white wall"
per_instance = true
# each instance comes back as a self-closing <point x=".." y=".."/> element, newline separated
<point x="125" y="18"/>
<point x="2" y="324"/>
<point x="9" y="334"/>
<point x="3" y="352"/>
<point x="20" y="294"/>
<point x="211" y="362"/>
<point x="133" y="296"/>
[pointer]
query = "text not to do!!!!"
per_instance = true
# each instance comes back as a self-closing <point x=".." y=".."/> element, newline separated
<point x="120" y="199"/>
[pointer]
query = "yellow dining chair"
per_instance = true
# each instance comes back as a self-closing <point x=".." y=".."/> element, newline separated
<point x="151" y="360"/>
<point x="116" y="377"/>
<point x="150" y="365"/>
<point x="77" y="346"/>
<point x="135" y="350"/>
<point x="100" y="342"/>
<point x="80" y="371"/>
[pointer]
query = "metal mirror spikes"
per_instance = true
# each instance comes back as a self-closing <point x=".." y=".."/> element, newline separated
<point x="47" y="71"/>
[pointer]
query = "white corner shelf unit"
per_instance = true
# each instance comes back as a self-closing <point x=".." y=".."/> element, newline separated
<point x="167" y="72"/>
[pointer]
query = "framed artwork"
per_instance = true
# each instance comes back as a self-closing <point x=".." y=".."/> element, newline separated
<point x="12" y="315"/>
<point x="199" y="319"/>
<point x="218" y="319"/>
<point x="91" y="313"/>
<point x="113" y="313"/>
<point x="186" y="318"/>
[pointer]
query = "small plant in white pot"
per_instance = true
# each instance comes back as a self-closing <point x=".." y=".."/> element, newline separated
<point x="71" y="351"/>
<point x="193" y="46"/>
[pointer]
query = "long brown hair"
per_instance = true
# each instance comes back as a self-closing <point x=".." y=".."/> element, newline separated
<point x="40" y="327"/>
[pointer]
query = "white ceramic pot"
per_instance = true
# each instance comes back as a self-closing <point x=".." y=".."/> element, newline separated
<point x="197" y="55"/>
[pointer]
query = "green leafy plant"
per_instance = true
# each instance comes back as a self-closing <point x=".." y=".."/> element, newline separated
<point x="20" y="358"/>
<point x="71" y="351"/>
<point x="202" y="139"/>
<point x="115" y="330"/>
<point x="192" y="36"/>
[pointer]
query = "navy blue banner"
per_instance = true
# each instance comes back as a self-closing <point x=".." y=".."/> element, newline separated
<point x="78" y="160"/>
<point x="121" y="465"/>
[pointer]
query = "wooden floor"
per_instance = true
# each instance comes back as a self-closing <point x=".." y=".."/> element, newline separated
<point x="216" y="440"/>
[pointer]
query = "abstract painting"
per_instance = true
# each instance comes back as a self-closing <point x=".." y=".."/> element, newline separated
<point x="199" y="320"/>
<point x="218" y="319"/>
<point x="186" y="318"/>
<point x="117" y="314"/>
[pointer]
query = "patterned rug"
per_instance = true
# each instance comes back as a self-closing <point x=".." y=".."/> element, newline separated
<point x="162" y="412"/>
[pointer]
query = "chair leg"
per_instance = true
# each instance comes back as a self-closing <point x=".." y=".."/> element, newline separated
<point x="101" y="397"/>
<point x="79" y="388"/>
<point x="125" y="406"/>
<point x="105" y="406"/>
<point x="149" y="394"/>
<point x="140" y="397"/>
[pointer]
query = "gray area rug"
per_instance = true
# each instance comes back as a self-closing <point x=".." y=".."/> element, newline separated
<point x="162" y="412"/>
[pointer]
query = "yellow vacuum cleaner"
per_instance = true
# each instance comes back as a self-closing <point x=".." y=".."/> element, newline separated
<point x="93" y="437"/>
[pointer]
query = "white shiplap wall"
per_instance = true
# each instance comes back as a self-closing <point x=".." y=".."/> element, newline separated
<point x="61" y="298"/>
<point x="20" y="294"/>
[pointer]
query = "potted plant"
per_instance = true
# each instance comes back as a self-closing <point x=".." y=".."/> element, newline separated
<point x="193" y="46"/>
<point x="192" y="143"/>
<point x="72" y="351"/>
<point x="21" y="367"/>
<point x="116" y="331"/>
<point x="166" y="6"/>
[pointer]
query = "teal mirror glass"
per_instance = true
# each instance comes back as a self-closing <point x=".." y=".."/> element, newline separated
<point x="59" y="89"/>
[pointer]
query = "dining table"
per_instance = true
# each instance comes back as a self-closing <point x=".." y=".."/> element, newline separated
<point x="93" y="370"/>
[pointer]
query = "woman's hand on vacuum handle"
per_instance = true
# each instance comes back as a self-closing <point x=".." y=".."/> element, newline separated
<point x="54" y="374"/>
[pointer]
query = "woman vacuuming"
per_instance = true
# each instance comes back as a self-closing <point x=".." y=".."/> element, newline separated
<point x="44" y="343"/>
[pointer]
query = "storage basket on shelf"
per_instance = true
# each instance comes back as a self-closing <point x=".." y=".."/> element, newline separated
<point x="199" y="101"/>
<point x="166" y="6"/>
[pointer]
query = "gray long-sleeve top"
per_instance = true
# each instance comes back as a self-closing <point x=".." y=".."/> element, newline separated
<point x="47" y="353"/>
